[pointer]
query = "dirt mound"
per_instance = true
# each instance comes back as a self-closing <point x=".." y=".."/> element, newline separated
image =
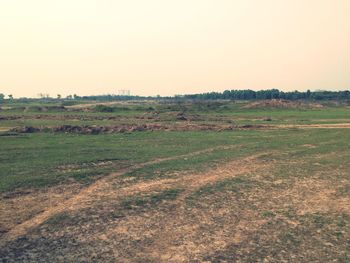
<point x="86" y="129"/>
<point x="44" y="109"/>
<point x="124" y="128"/>
<point x="181" y="117"/>
<point x="274" y="103"/>
<point x="25" y="129"/>
<point x="9" y="118"/>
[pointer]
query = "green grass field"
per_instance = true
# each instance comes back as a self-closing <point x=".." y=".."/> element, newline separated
<point x="279" y="194"/>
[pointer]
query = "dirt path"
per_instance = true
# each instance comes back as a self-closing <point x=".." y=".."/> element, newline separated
<point x="297" y="126"/>
<point x="178" y="225"/>
<point x="97" y="190"/>
<point x="316" y="126"/>
<point x="176" y="229"/>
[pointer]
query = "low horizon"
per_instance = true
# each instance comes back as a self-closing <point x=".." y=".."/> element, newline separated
<point x="71" y="95"/>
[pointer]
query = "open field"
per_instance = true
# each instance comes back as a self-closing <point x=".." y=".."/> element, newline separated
<point x="174" y="181"/>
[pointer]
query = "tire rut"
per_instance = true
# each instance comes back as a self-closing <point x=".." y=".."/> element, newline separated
<point x="98" y="188"/>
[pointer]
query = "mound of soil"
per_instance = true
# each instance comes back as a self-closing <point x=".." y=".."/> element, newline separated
<point x="62" y="117"/>
<point x="25" y="129"/>
<point x="274" y="103"/>
<point x="9" y="118"/>
<point x="124" y="128"/>
<point x="181" y="117"/>
<point x="44" y="109"/>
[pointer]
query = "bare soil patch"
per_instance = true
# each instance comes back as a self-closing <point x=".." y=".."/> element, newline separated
<point x="313" y="195"/>
<point x="21" y="205"/>
<point x="279" y="103"/>
<point x="296" y="126"/>
<point x="86" y="129"/>
<point x="176" y="230"/>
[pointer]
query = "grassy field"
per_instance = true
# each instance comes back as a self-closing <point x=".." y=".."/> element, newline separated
<point x="273" y="187"/>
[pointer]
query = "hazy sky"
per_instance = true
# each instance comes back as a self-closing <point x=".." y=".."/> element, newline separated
<point x="171" y="47"/>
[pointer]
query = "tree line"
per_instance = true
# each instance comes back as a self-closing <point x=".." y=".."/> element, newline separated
<point x="271" y="94"/>
<point x="234" y="95"/>
<point x="226" y="95"/>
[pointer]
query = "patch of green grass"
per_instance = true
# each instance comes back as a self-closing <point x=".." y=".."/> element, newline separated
<point x="197" y="163"/>
<point x="33" y="160"/>
<point x="294" y="116"/>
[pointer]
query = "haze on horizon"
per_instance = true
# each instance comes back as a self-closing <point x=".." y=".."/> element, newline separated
<point x="172" y="47"/>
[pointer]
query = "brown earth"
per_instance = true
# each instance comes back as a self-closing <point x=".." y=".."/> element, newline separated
<point x="174" y="225"/>
<point x="124" y="128"/>
<point x="86" y="129"/>
<point x="21" y="205"/>
<point x="296" y="126"/>
<point x="279" y="103"/>
<point x="313" y="126"/>
<point x="237" y="212"/>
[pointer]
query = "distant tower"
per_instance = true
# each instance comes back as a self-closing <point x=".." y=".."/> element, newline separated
<point x="124" y="92"/>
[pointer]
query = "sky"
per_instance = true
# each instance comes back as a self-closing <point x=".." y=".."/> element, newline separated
<point x="169" y="47"/>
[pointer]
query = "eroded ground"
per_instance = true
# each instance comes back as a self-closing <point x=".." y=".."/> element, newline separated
<point x="246" y="210"/>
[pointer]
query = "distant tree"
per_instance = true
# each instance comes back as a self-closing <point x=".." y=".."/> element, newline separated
<point x="344" y="94"/>
<point x="275" y="94"/>
<point x="59" y="96"/>
<point x="69" y="97"/>
<point x="2" y="96"/>
<point x="308" y="94"/>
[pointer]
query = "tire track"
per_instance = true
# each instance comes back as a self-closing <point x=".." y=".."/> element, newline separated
<point x="84" y="197"/>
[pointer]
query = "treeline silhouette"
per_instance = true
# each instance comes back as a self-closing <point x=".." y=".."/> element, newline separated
<point x="226" y="95"/>
<point x="240" y="95"/>
<point x="272" y="94"/>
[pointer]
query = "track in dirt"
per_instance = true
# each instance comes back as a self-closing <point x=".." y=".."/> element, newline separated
<point x="177" y="226"/>
<point x="100" y="187"/>
<point x="316" y="126"/>
<point x="220" y="225"/>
